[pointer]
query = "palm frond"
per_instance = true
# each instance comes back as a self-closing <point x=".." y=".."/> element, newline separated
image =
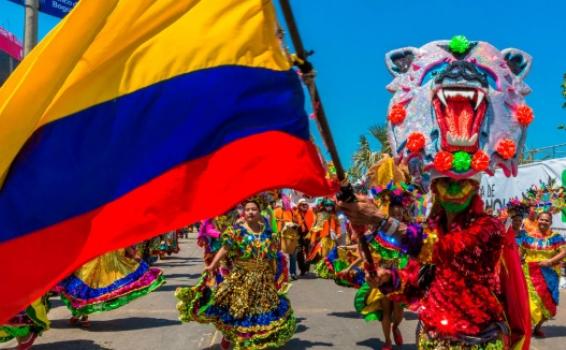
<point x="381" y="135"/>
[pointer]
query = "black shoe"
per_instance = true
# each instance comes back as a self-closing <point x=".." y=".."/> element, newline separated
<point x="294" y="277"/>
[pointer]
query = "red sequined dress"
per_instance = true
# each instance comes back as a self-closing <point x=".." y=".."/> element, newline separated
<point x="453" y="284"/>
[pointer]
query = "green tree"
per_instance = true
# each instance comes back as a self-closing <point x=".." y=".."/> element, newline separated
<point x="363" y="159"/>
<point x="381" y="135"/>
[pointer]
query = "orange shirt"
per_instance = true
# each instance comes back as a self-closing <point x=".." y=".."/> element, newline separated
<point x="282" y="216"/>
<point x="330" y="224"/>
<point x="305" y="220"/>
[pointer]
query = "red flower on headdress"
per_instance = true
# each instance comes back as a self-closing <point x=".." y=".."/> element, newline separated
<point x="480" y="161"/>
<point x="506" y="148"/>
<point x="443" y="161"/>
<point x="415" y="142"/>
<point x="397" y="114"/>
<point x="524" y="115"/>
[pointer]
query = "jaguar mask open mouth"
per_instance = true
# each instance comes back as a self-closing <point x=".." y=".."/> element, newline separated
<point x="460" y="112"/>
<point x="458" y="108"/>
<point x="460" y="104"/>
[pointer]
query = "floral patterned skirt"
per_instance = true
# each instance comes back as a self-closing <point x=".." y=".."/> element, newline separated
<point x="246" y="306"/>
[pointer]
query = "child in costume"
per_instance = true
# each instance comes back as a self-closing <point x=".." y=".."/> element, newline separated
<point x="448" y="123"/>
<point x="106" y="283"/>
<point x="388" y="252"/>
<point x="249" y="306"/>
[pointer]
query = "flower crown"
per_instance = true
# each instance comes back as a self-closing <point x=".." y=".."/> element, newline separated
<point x="548" y="197"/>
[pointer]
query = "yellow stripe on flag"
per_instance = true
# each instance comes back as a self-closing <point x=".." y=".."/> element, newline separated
<point x="108" y="48"/>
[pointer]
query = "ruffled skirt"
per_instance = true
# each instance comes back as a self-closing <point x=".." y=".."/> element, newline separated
<point x="246" y="307"/>
<point x="107" y="283"/>
<point x="334" y="264"/>
<point x="495" y="337"/>
<point x="32" y="320"/>
<point x="543" y="286"/>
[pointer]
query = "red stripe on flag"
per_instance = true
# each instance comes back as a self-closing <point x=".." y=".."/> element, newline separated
<point x="195" y="190"/>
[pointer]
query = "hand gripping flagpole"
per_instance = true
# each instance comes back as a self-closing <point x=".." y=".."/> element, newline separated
<point x="346" y="193"/>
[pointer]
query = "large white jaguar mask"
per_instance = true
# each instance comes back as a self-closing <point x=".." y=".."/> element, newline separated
<point x="458" y="107"/>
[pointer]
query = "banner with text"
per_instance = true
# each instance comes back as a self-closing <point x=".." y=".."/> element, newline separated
<point x="497" y="190"/>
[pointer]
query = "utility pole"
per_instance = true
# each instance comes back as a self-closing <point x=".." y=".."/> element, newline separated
<point x="30" y="25"/>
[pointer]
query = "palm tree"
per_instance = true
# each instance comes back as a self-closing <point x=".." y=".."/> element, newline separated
<point x="354" y="174"/>
<point x="363" y="159"/>
<point x="380" y="133"/>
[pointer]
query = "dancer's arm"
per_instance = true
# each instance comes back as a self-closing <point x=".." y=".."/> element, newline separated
<point x="219" y="256"/>
<point x="555" y="259"/>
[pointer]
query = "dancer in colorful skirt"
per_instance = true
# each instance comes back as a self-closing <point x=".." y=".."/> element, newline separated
<point x="397" y="201"/>
<point x="27" y="325"/>
<point x="543" y="251"/>
<point x="249" y="306"/>
<point x="106" y="283"/>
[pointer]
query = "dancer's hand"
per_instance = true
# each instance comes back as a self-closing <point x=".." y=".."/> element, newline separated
<point x="210" y="268"/>
<point x="361" y="212"/>
<point x="382" y="276"/>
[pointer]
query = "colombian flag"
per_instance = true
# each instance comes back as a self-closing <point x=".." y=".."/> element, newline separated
<point x="135" y="117"/>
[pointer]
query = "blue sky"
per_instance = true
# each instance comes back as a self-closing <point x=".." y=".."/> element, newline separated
<point x="350" y="39"/>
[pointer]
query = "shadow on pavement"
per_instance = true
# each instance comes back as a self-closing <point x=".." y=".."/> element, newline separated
<point x="410" y="316"/>
<point x="120" y="325"/>
<point x="301" y="327"/>
<point x="71" y="345"/>
<point x="182" y="275"/>
<point x="174" y="264"/>
<point x="170" y="287"/>
<point x="375" y="343"/>
<point x="554" y="331"/>
<point x="346" y="314"/>
<point x="299" y="344"/>
<point x="174" y="258"/>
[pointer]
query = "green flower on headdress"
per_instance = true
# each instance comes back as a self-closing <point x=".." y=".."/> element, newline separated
<point x="461" y="162"/>
<point x="459" y="44"/>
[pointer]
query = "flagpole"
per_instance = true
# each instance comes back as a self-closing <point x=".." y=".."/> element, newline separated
<point x="346" y="191"/>
<point x="307" y="69"/>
